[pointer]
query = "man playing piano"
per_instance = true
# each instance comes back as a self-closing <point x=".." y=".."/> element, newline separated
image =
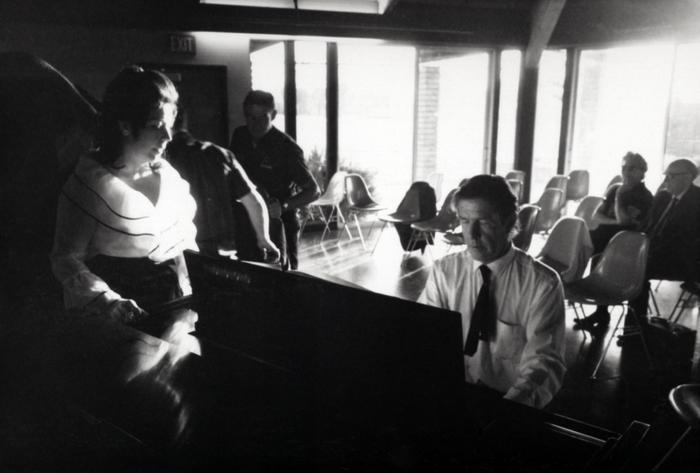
<point x="512" y="306"/>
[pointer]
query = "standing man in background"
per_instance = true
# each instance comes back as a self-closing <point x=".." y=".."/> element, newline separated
<point x="275" y="164"/>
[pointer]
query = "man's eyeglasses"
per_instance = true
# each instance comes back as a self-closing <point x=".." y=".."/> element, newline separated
<point x="671" y="175"/>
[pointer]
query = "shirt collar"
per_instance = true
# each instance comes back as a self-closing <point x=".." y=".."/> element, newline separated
<point x="496" y="266"/>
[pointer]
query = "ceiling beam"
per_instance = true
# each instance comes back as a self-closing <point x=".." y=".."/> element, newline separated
<point x="545" y="15"/>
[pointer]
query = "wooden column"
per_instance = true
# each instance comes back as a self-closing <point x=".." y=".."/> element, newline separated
<point x="331" y="108"/>
<point x="290" y="90"/>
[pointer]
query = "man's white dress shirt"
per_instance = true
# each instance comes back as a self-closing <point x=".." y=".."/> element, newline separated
<point x="525" y="358"/>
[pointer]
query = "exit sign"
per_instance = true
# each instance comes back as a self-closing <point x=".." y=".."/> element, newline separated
<point x="183" y="44"/>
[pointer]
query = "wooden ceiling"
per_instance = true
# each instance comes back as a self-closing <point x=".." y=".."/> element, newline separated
<point x="481" y="22"/>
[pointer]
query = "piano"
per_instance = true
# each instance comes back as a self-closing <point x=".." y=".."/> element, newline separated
<point x="264" y="370"/>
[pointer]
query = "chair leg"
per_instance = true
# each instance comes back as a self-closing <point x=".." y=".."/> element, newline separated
<point x="381" y="231"/>
<point x="640" y="332"/>
<point x="653" y="300"/>
<point x="607" y="345"/>
<point x="342" y="219"/>
<point x="578" y="317"/>
<point x="671" y="450"/>
<point x="359" y="230"/>
<point x="682" y="301"/>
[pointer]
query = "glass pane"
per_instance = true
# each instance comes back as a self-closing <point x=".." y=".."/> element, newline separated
<point x="550" y="88"/>
<point x="508" y="106"/>
<point x="376" y="96"/>
<point x="621" y="106"/>
<point x="267" y="70"/>
<point x="311" y="104"/>
<point x="450" y="115"/>
<point x="683" y="136"/>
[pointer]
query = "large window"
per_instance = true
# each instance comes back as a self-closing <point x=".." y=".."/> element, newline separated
<point x="452" y="88"/>
<point x="621" y="106"/>
<point x="376" y="91"/>
<point x="683" y="135"/>
<point x="310" y="70"/>
<point x="267" y="70"/>
<point x="508" y="106"/>
<point x="550" y="89"/>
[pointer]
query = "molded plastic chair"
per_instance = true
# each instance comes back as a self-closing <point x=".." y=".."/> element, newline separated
<point x="559" y="181"/>
<point x="577" y="185"/>
<point x="527" y="217"/>
<point x="617" y="278"/>
<point x="418" y="204"/>
<point x="517" y="188"/>
<point x="443" y="222"/>
<point x="360" y="201"/>
<point x="516" y="174"/>
<point x="685" y="400"/>
<point x="568" y="248"/>
<point x="550" y="204"/>
<point x="587" y="208"/>
<point x="332" y="197"/>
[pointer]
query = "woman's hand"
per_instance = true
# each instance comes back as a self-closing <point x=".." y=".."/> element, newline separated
<point x="125" y="311"/>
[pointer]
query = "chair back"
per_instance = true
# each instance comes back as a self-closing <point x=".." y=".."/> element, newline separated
<point x="577" y="186"/>
<point x="588" y="207"/>
<point x="335" y="191"/>
<point x="517" y="187"/>
<point x="568" y="248"/>
<point x="623" y="264"/>
<point x="527" y="217"/>
<point x="559" y="181"/>
<point x="550" y="204"/>
<point x="356" y="191"/>
<point x="417" y="204"/>
<point x="516" y="175"/>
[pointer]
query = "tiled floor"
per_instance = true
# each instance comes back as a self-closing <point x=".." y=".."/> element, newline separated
<point x="625" y="388"/>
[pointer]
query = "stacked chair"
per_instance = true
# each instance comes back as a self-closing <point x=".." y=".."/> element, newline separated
<point x="359" y="201"/>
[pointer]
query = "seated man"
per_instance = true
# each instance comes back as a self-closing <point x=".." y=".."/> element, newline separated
<point x="673" y="229"/>
<point x="626" y="207"/>
<point x="216" y="180"/>
<point x="512" y="306"/>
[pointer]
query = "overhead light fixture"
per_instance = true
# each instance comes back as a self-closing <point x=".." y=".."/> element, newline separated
<point x="376" y="7"/>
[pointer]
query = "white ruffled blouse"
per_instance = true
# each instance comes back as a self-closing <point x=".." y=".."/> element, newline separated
<point x="98" y="213"/>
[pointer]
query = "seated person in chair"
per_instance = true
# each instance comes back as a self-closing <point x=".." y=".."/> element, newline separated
<point x="512" y="306"/>
<point x="673" y="229"/>
<point x="626" y="207"/>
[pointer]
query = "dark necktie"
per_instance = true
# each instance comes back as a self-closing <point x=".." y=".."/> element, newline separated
<point x="480" y="325"/>
<point x="663" y="220"/>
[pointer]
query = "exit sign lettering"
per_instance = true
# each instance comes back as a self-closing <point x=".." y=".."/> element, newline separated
<point x="182" y="44"/>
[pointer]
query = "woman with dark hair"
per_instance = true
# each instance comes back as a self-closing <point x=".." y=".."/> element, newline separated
<point x="125" y="215"/>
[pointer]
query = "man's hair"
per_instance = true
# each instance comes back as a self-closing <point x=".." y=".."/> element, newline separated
<point x="687" y="165"/>
<point x="259" y="97"/>
<point x="636" y="160"/>
<point x="494" y="190"/>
